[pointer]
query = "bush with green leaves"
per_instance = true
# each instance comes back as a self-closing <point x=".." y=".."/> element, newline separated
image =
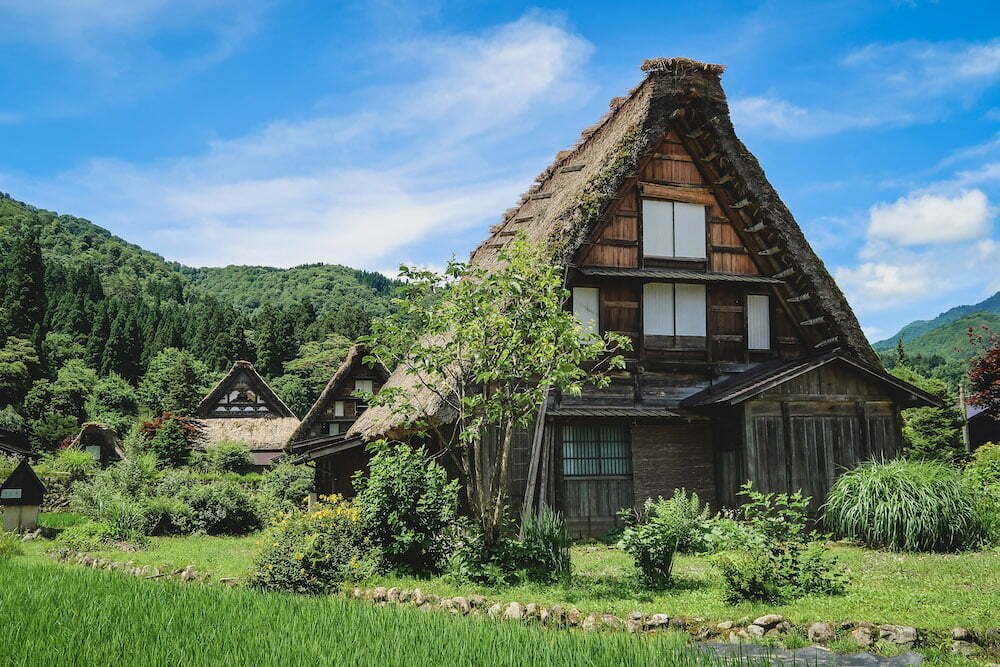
<point x="780" y="572"/>
<point x="983" y="471"/>
<point x="406" y="503"/>
<point x="73" y="465"/>
<point x="285" y="487"/>
<point x="169" y="442"/>
<point x="134" y="477"/>
<point x="220" y="508"/>
<point x="905" y="506"/>
<point x="691" y="519"/>
<point x="313" y="552"/>
<point x="226" y="456"/>
<point x="652" y="539"/>
<point x="544" y="548"/>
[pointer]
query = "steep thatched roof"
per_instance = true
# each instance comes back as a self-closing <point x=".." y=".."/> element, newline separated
<point x="355" y="356"/>
<point x="263" y="389"/>
<point x="96" y="432"/>
<point x="568" y="200"/>
<point x="260" y="434"/>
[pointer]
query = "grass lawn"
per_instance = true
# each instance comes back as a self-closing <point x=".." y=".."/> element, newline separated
<point x="73" y="616"/>
<point x="931" y="591"/>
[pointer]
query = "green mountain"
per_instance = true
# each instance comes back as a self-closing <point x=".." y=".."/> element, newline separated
<point x="919" y="328"/>
<point x="951" y="340"/>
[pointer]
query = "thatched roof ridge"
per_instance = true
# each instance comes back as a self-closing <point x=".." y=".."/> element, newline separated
<point x="207" y="403"/>
<point x="568" y="199"/>
<point x="355" y="356"/>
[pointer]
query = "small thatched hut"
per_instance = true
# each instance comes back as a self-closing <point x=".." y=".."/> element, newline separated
<point x="99" y="441"/>
<point x="21" y="496"/>
<point x="243" y="408"/>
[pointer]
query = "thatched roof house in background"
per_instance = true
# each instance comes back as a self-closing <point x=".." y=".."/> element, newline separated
<point x="671" y="234"/>
<point x="320" y="438"/>
<point x="100" y="441"/>
<point x="243" y="408"/>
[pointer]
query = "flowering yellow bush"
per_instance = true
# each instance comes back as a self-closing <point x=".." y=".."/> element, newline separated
<point x="313" y="551"/>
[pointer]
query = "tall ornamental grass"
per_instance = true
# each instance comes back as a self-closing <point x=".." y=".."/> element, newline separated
<point x="905" y="506"/>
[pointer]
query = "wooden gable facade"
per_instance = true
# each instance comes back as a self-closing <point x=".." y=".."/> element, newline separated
<point x="671" y="235"/>
<point x="244" y="408"/>
<point x="321" y="437"/>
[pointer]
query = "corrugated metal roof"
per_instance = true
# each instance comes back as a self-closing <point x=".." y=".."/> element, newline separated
<point x="602" y="411"/>
<point x="678" y="274"/>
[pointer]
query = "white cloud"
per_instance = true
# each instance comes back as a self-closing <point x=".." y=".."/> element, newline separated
<point x="919" y="219"/>
<point x="872" y="284"/>
<point x="424" y="160"/>
<point x="880" y="85"/>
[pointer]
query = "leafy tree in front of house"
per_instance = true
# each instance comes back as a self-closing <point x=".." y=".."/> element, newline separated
<point x="113" y="402"/>
<point x="172" y="438"/>
<point x="307" y="374"/>
<point x="931" y="433"/>
<point x="175" y="382"/>
<point x="488" y="345"/>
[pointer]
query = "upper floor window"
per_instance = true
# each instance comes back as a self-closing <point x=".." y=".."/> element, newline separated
<point x="363" y="385"/>
<point x="758" y="322"/>
<point x="670" y="309"/>
<point x="673" y="229"/>
<point x="586" y="308"/>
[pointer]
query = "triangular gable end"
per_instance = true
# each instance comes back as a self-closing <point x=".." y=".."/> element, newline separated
<point x="349" y="369"/>
<point x="22" y="487"/>
<point x="242" y="393"/>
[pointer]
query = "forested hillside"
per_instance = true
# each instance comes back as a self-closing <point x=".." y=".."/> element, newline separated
<point x="80" y="307"/>
<point x="918" y="328"/>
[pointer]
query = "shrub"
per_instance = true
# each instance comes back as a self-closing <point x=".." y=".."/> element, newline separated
<point x="406" y="504"/>
<point x="133" y="477"/>
<point x="652" y="539"/>
<point x="227" y="456"/>
<point x="72" y="464"/>
<point x="778" y="573"/>
<point x="544" y="547"/>
<point x="10" y="545"/>
<point x="727" y="533"/>
<point x="285" y="487"/>
<point x="87" y="536"/>
<point x="983" y="467"/>
<point x="169" y="442"/>
<point x="7" y="465"/>
<point x="168" y="515"/>
<point x="313" y="552"/>
<point x="776" y="517"/>
<point x="217" y="508"/>
<point x="690" y="518"/>
<point x="905" y="506"/>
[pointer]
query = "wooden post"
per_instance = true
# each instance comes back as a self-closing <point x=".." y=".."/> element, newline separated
<point x="536" y="452"/>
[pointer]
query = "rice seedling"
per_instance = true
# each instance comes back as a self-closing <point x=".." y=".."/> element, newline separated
<point x="73" y="616"/>
<point x="905" y="506"/>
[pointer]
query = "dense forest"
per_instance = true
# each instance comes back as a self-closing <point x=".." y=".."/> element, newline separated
<point x="90" y="324"/>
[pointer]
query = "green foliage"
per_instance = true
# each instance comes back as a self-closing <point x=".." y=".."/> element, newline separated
<point x="133" y="477"/>
<point x="689" y="517"/>
<point x="227" y="456"/>
<point x="217" y="508"/>
<point x="59" y="348"/>
<point x="931" y="433"/>
<point x="492" y="344"/>
<point x="11" y="421"/>
<point x="780" y="572"/>
<point x="60" y="520"/>
<point x="114" y="402"/>
<point x="285" y="487"/>
<point x="175" y="382"/>
<point x="50" y="430"/>
<point x="776" y="517"/>
<point x="7" y="465"/>
<point x="18" y="361"/>
<point x="313" y="552"/>
<point x="406" y="502"/>
<point x="905" y="506"/>
<point x="10" y="545"/>
<point x="307" y="374"/>
<point x="544" y="547"/>
<point x="73" y="465"/>
<point x="169" y="444"/>
<point x="652" y="538"/>
<point x="86" y="536"/>
<point x="983" y="467"/>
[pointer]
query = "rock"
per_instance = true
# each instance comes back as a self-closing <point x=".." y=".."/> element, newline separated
<point x="392" y="595"/>
<point x="461" y="605"/>
<point x="679" y="623"/>
<point x="820" y="633"/>
<point x="965" y="648"/>
<point x="768" y="621"/>
<point x="611" y="622"/>
<point x="495" y="610"/>
<point x="755" y="630"/>
<point x="901" y="635"/>
<point x="513" y="612"/>
<point x="531" y="610"/>
<point x="544" y="617"/>
<point x="418" y="597"/>
<point x="635" y="616"/>
<point x="864" y="635"/>
<point x="725" y="625"/>
<point x="380" y="594"/>
<point x="229" y="581"/>
<point x="404" y="596"/>
<point x="432" y="599"/>
<point x="590" y="623"/>
<point x="963" y="635"/>
<point x="357" y="594"/>
<point x="188" y="574"/>
<point x="657" y="621"/>
<point x="556" y="615"/>
<point x="633" y="626"/>
<point x="573" y="617"/>
<point x="477" y="601"/>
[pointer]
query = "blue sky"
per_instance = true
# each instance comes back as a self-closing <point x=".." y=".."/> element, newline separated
<point x="244" y="132"/>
